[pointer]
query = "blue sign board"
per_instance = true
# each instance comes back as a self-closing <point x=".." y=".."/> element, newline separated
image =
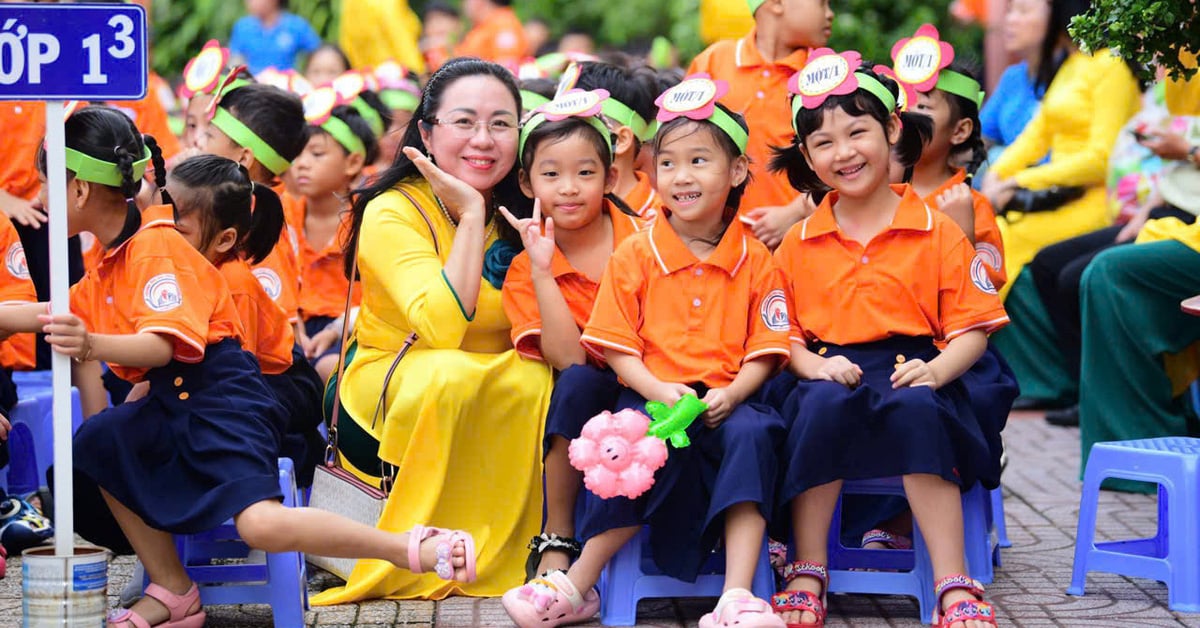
<point x="72" y="52"/>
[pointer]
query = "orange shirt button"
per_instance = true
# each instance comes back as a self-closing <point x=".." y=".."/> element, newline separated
<point x="183" y="396"/>
<point x="864" y="259"/>
<point x="178" y="382"/>
<point x="822" y="350"/>
<point x="699" y="271"/>
<point x="696" y="302"/>
<point x="900" y="359"/>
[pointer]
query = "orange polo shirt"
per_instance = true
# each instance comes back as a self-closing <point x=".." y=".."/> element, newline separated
<point x="579" y="291"/>
<point x="499" y="38"/>
<point x="156" y="282"/>
<point x="643" y="199"/>
<point x="912" y="279"/>
<point x="323" y="282"/>
<point x="18" y="350"/>
<point x="24" y="125"/>
<point x="758" y="91"/>
<point x="279" y="274"/>
<point x="688" y="320"/>
<point x="266" y="331"/>
<point x="989" y="246"/>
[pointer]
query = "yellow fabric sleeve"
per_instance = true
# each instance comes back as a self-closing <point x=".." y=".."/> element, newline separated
<point x="374" y="31"/>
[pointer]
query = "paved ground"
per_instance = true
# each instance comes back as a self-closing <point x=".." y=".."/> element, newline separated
<point x="1042" y="499"/>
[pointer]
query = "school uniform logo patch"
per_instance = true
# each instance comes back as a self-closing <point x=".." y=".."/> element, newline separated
<point x="979" y="275"/>
<point x="161" y="293"/>
<point x="270" y="282"/>
<point x="774" y="311"/>
<point x="14" y="259"/>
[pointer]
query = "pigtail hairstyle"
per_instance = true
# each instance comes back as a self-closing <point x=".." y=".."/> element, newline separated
<point x="791" y="161"/>
<point x="156" y="160"/>
<point x="222" y="192"/>
<point x="507" y="192"/>
<point x="275" y="116"/>
<point x="734" y="200"/>
<point x="358" y="125"/>
<point x="965" y="108"/>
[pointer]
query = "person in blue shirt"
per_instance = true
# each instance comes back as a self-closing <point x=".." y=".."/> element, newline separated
<point x="270" y="36"/>
<point x="1020" y="89"/>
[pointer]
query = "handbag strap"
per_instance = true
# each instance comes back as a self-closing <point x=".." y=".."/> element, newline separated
<point x="331" y="459"/>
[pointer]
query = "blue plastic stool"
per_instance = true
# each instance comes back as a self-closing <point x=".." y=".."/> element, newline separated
<point x="31" y="383"/>
<point x="631" y="576"/>
<point x="1172" y="556"/>
<point x="908" y="572"/>
<point x="281" y="583"/>
<point x="998" y="522"/>
<point x="32" y="449"/>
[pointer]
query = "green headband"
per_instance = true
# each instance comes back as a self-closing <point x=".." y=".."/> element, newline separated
<point x="754" y="4"/>
<point x="88" y="168"/>
<point x="538" y="119"/>
<point x="400" y="99"/>
<point x="374" y="120"/>
<point x="244" y="137"/>
<point x="532" y="100"/>
<point x="340" y="131"/>
<point x="959" y="84"/>
<point x="865" y="81"/>
<point x="625" y="116"/>
<point x="731" y="128"/>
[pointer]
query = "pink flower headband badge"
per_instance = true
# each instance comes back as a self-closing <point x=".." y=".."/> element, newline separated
<point x="574" y="103"/>
<point x="918" y="60"/>
<point x="908" y="95"/>
<point x="319" y="104"/>
<point x="695" y="98"/>
<point x="203" y="72"/>
<point x="236" y="78"/>
<point x="826" y="74"/>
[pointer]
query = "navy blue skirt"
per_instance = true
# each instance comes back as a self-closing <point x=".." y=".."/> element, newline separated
<point x="198" y="449"/>
<point x="992" y="388"/>
<point x="874" y="431"/>
<point x="580" y="392"/>
<point x="298" y="391"/>
<point x="734" y="463"/>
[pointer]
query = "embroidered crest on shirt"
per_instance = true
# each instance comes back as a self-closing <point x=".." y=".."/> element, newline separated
<point x="161" y="293"/>
<point x="979" y="275"/>
<point x="14" y="259"/>
<point x="774" y="311"/>
<point x="270" y="282"/>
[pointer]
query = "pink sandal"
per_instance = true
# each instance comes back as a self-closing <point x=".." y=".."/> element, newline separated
<point x="177" y="606"/>
<point x="888" y="539"/>
<point x="962" y="610"/>
<point x="802" y="601"/>
<point x="3" y="559"/>
<point x="549" y="601"/>
<point x="444" y="568"/>
<point x="739" y="607"/>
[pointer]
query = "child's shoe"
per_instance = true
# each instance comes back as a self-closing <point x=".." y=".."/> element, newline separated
<point x="739" y="607"/>
<point x="549" y="601"/>
<point x="962" y="610"/>
<point x="22" y="526"/>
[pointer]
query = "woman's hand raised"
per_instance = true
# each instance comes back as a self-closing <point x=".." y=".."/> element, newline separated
<point x="539" y="244"/>
<point x="458" y="197"/>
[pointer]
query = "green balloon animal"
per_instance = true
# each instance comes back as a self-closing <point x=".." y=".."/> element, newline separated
<point x="670" y="423"/>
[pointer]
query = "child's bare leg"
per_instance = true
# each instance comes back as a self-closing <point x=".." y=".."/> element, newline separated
<point x="156" y="550"/>
<point x="812" y="514"/>
<point x="744" y="530"/>
<point x="937" y="506"/>
<point x="271" y="527"/>
<point x="562" y="488"/>
<point x="600" y="549"/>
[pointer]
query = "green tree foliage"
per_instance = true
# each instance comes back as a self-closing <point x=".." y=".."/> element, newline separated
<point x="1147" y="32"/>
<point x="872" y="26"/>
<point x="182" y="26"/>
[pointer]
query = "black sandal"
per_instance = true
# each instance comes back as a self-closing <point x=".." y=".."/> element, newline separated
<point x="543" y="543"/>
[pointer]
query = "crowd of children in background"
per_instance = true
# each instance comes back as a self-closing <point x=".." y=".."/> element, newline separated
<point x="784" y="231"/>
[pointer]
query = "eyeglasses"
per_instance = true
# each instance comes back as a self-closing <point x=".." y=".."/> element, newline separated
<point x="466" y="127"/>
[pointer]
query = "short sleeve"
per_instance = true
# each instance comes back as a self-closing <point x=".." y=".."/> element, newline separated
<point x="769" y="317"/>
<point x="308" y="39"/>
<point x="521" y="307"/>
<point x="279" y="275"/>
<point x="786" y="259"/>
<point x="15" y="283"/>
<point x="617" y="313"/>
<point x="168" y="298"/>
<point x="967" y="299"/>
<point x="989" y="115"/>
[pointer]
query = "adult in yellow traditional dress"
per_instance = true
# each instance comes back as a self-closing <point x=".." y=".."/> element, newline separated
<point x="463" y="415"/>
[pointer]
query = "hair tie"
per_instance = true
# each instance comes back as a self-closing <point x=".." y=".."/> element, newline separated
<point x="696" y="99"/>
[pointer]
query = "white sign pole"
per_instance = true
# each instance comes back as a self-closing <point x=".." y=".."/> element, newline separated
<point x="56" y="178"/>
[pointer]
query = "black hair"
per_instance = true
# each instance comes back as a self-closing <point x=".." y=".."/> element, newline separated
<point x="734" y="200"/>
<point x="1051" y="58"/>
<point x="790" y="160"/>
<point x="634" y="89"/>
<point x="501" y="3"/>
<point x="335" y="49"/>
<point x="220" y="192"/>
<point x="667" y="78"/>
<point x="543" y="87"/>
<point x="967" y="109"/>
<point x="507" y="192"/>
<point x="273" y="114"/>
<point x="358" y="125"/>
<point x="376" y="103"/>
<point x="559" y="130"/>
<point x="439" y="7"/>
<point x="108" y="135"/>
<point x="907" y="154"/>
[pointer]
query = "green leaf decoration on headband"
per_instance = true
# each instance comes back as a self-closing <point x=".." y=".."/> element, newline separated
<point x="203" y="72"/>
<point x="695" y="98"/>
<point x="574" y="103"/>
<point x="91" y="169"/>
<point x="569" y="78"/>
<point x="532" y="100"/>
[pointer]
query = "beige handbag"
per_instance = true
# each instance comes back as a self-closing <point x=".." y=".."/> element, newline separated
<point x="334" y="488"/>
